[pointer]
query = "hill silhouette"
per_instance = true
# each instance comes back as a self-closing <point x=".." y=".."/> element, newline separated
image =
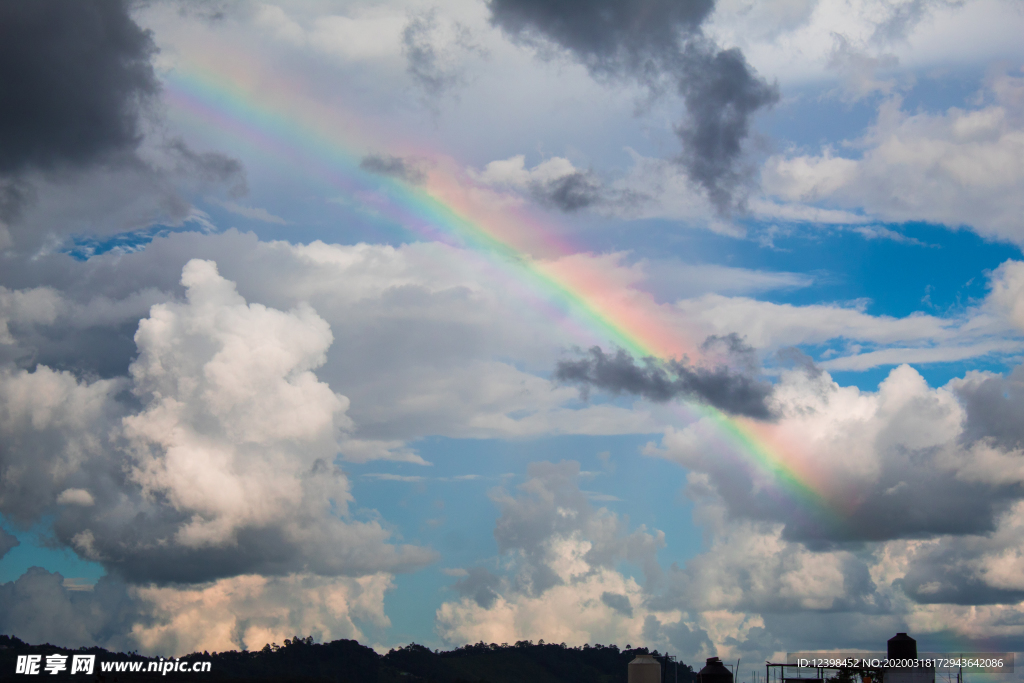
<point x="346" y="661"/>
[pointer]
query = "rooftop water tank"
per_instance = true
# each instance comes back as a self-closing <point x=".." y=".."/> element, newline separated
<point x="902" y="646"/>
<point x="644" y="669"/>
<point x="714" y="672"/>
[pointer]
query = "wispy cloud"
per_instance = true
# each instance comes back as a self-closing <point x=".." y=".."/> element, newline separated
<point x="256" y="213"/>
<point x="385" y="476"/>
<point x="877" y="232"/>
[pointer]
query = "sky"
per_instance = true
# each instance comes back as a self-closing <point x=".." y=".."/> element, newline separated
<point x="689" y="324"/>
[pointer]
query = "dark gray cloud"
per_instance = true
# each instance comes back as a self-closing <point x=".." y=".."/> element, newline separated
<point x="122" y="527"/>
<point x="912" y="500"/>
<point x="721" y="93"/>
<point x="683" y="638"/>
<point x="607" y="35"/>
<point x="396" y="167"/>
<point x="73" y="77"/>
<point x="14" y="194"/>
<point x="7" y="541"/>
<point x="77" y="84"/>
<point x="655" y="41"/>
<point x="480" y="585"/>
<point x="737" y="392"/>
<point x="102" y="348"/>
<point x="948" y="573"/>
<point x="39" y="609"/>
<point x="995" y="409"/>
<point x="618" y="602"/>
<point x="208" y="168"/>
<point x="570" y="192"/>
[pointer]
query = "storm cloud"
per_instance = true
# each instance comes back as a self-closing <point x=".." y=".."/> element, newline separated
<point x="83" y="147"/>
<point x="735" y="392"/>
<point x="7" y="541"/>
<point x="651" y="41"/>
<point x="74" y="76"/>
<point x="959" y="571"/>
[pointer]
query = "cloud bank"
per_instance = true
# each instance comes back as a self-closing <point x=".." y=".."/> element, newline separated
<point x="213" y="460"/>
<point x="960" y="167"/>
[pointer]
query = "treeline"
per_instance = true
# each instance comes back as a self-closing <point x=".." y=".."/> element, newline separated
<point x="346" y="661"/>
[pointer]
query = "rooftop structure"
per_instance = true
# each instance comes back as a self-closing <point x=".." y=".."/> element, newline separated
<point x="896" y="665"/>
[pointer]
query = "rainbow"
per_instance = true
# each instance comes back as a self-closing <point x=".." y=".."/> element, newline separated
<point x="273" y="118"/>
